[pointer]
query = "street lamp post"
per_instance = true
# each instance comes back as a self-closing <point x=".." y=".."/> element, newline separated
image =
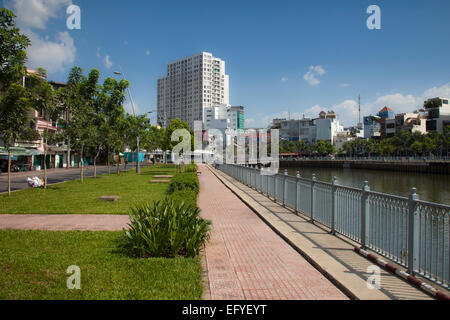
<point x="138" y="165"/>
<point x="149" y="112"/>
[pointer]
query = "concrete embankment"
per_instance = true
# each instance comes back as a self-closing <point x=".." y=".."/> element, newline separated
<point x="436" y="167"/>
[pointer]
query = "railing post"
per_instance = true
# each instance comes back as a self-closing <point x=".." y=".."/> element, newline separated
<point x="296" y="191"/>
<point x="275" y="187"/>
<point x="313" y="182"/>
<point x="365" y="215"/>
<point x="413" y="233"/>
<point x="333" y="205"/>
<point x="284" y="187"/>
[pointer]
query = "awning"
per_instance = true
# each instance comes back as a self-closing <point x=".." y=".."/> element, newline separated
<point x="18" y="152"/>
<point x="15" y="151"/>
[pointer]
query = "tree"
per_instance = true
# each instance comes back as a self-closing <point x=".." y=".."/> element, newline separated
<point x="167" y="142"/>
<point x="301" y="146"/>
<point x="287" y="146"/>
<point x="70" y="101"/>
<point x="417" y="147"/>
<point x="111" y="97"/>
<point x="16" y="102"/>
<point x="323" y="147"/>
<point x="15" y="107"/>
<point x="79" y="105"/>
<point x="12" y="51"/>
<point x="44" y="102"/>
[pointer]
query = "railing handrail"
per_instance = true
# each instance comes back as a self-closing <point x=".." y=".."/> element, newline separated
<point x="401" y="224"/>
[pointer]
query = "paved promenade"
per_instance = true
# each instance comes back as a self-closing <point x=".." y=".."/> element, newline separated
<point x="333" y="255"/>
<point x="63" y="222"/>
<point x="246" y="259"/>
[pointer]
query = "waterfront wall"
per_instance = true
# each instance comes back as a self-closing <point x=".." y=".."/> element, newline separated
<point x="436" y="167"/>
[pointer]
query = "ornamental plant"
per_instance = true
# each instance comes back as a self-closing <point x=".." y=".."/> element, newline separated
<point x="167" y="228"/>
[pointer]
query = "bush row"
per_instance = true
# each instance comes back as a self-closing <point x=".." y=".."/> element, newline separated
<point x="184" y="181"/>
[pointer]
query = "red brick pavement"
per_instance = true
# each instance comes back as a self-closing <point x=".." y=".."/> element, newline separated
<point x="93" y="222"/>
<point x="248" y="260"/>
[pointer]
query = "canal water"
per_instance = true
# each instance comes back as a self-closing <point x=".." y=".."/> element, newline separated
<point x="430" y="187"/>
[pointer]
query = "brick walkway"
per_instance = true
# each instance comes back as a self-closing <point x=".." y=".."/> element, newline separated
<point x="92" y="222"/>
<point x="248" y="260"/>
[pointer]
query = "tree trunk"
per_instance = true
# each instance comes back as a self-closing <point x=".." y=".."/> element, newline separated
<point x="82" y="166"/>
<point x="95" y="162"/>
<point x="9" y="173"/>
<point x="45" y="165"/>
<point x="118" y="163"/>
<point x="68" y="154"/>
<point x="107" y="161"/>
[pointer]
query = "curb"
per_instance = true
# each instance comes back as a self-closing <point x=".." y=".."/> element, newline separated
<point x="409" y="278"/>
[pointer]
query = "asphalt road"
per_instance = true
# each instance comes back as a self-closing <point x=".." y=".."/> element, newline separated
<point x="19" y="180"/>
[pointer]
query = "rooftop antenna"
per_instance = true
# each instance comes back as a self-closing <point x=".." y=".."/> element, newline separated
<point x="359" y="109"/>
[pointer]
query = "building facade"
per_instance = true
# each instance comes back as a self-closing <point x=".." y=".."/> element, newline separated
<point x="325" y="127"/>
<point x="438" y="114"/>
<point x="191" y="85"/>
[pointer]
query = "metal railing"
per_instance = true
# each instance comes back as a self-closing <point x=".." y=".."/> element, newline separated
<point x="408" y="231"/>
<point x="371" y="158"/>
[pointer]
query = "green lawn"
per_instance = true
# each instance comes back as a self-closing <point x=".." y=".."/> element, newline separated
<point x="80" y="198"/>
<point x="33" y="265"/>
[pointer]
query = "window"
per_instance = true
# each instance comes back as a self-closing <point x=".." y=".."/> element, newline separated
<point x="444" y="101"/>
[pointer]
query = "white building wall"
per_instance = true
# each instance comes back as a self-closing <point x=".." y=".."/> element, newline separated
<point x="191" y="85"/>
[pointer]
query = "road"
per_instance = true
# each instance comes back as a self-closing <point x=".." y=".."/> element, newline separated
<point x="19" y="179"/>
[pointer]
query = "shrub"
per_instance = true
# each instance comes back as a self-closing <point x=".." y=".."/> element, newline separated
<point x="184" y="181"/>
<point x="188" y="196"/>
<point x="190" y="168"/>
<point x="167" y="228"/>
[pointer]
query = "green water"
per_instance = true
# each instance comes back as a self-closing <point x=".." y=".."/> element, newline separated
<point x="430" y="187"/>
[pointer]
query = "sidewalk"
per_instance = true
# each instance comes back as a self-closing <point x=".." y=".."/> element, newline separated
<point x="246" y="259"/>
<point x="333" y="255"/>
<point x="64" y="222"/>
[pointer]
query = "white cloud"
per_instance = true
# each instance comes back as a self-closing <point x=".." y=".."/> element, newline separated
<point x="107" y="62"/>
<point x="98" y="53"/>
<point x="147" y="52"/>
<point x="312" y="75"/>
<point x="53" y="55"/>
<point x="284" y="79"/>
<point x="36" y="13"/>
<point x="125" y="42"/>
<point x="344" y="85"/>
<point x="443" y="91"/>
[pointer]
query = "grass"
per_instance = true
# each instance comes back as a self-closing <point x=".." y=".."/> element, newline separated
<point x="73" y="197"/>
<point x="33" y="265"/>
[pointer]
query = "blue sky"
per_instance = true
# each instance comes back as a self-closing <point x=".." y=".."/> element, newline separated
<point x="282" y="56"/>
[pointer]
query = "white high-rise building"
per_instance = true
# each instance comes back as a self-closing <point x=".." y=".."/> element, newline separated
<point x="191" y="85"/>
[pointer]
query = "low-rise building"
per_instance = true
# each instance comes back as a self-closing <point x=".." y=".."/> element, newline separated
<point x="413" y="122"/>
<point x="438" y="110"/>
<point x="325" y="127"/>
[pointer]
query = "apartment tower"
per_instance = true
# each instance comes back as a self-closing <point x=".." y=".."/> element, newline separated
<point x="191" y="85"/>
